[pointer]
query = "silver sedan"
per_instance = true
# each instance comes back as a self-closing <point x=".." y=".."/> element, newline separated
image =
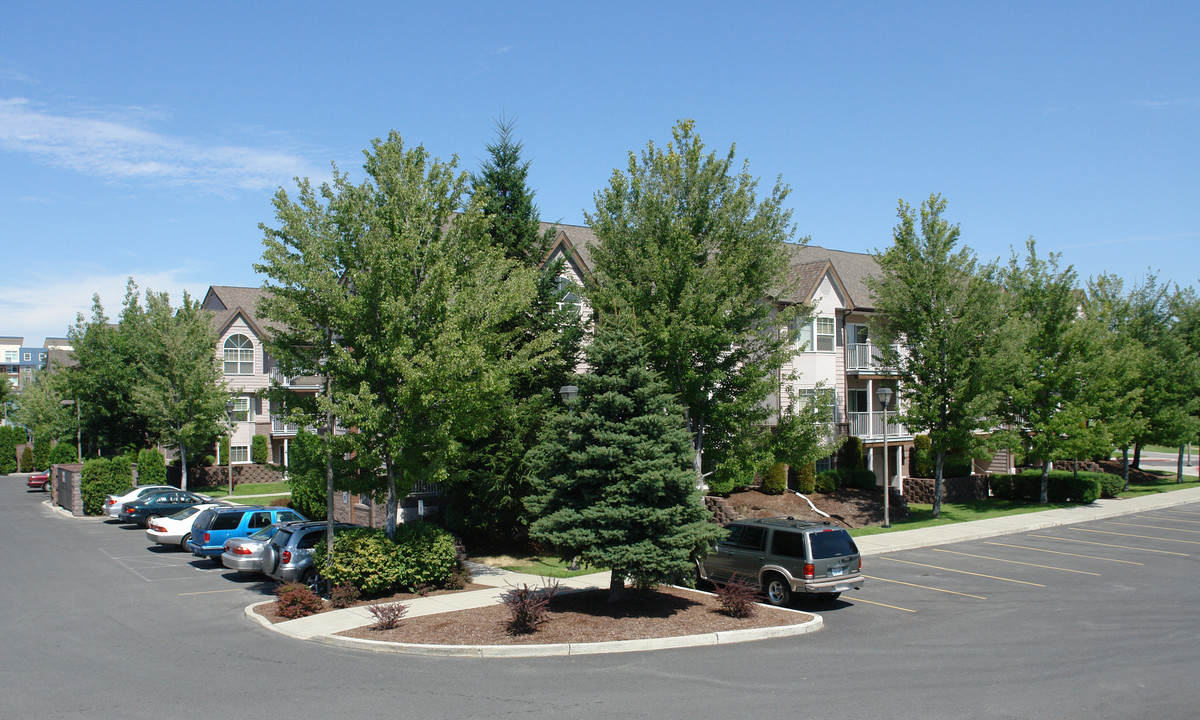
<point x="244" y="554"/>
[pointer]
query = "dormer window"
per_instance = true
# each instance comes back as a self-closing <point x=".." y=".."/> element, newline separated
<point x="239" y="355"/>
<point x="567" y="297"/>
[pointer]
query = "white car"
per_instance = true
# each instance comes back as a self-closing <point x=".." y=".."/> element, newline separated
<point x="176" y="529"/>
<point x="113" y="503"/>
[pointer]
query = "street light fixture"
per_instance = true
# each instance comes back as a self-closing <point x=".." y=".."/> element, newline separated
<point x="569" y="394"/>
<point x="884" y="394"/>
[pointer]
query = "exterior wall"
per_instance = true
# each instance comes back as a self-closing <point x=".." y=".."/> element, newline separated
<point x="361" y="510"/>
<point x="811" y="367"/>
<point x="246" y="386"/>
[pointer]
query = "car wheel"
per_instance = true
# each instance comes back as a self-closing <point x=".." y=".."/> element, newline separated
<point x="184" y="541"/>
<point x="778" y="590"/>
<point x="314" y="581"/>
<point x="149" y="519"/>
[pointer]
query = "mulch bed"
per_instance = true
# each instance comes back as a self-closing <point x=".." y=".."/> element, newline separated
<point x="270" y="612"/>
<point x="847" y="507"/>
<point x="584" y="616"/>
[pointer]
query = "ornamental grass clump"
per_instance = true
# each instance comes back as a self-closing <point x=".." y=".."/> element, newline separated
<point x="296" y="601"/>
<point x="388" y="616"/>
<point x="738" y="597"/>
<point x="527" y="607"/>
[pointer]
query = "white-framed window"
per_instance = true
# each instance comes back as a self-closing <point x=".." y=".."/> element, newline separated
<point x="28" y="357"/>
<point x="820" y="330"/>
<point x="243" y="409"/>
<point x="858" y="401"/>
<point x="825" y="396"/>
<point x="239" y="355"/>
<point x="568" y="299"/>
<point x="10" y="356"/>
<point x="858" y="334"/>
<point x="825" y="463"/>
<point x="239" y="454"/>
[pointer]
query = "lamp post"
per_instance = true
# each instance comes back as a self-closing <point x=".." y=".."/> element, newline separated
<point x="78" y="428"/>
<point x="229" y="460"/>
<point x="884" y="394"/>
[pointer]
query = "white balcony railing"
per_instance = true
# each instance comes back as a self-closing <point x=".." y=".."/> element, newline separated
<point x="304" y="381"/>
<point x="869" y="426"/>
<point x="279" y="427"/>
<point x="865" y="357"/>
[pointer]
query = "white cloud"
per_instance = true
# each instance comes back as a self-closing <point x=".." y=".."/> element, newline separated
<point x="118" y="149"/>
<point x="1183" y="102"/>
<point x="41" y="306"/>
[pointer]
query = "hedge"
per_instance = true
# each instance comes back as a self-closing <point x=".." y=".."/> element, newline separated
<point x="260" y="450"/>
<point x="1061" y="486"/>
<point x="775" y="480"/>
<point x="63" y="453"/>
<point x="806" y="478"/>
<point x="100" y="477"/>
<point x="152" y="470"/>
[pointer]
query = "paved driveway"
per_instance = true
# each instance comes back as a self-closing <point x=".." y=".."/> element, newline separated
<point x="962" y="630"/>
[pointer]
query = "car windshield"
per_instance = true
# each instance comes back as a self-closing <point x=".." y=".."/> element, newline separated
<point x="266" y="533"/>
<point x="185" y="513"/>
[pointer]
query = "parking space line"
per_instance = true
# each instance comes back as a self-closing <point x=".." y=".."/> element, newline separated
<point x="1060" y="552"/>
<point x="1142" y="537"/>
<point x="964" y="572"/>
<point x="872" y="602"/>
<point x="1110" y="545"/>
<point x="1172" y="519"/>
<point x="1155" y="527"/>
<point x="925" y="587"/>
<point x="1181" y="512"/>
<point x="1017" y="562"/>
<point x="210" y="592"/>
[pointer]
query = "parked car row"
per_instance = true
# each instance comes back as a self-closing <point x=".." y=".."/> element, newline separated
<point x="275" y="541"/>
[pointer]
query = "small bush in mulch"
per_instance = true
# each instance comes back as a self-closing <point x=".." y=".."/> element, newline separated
<point x="738" y="597"/>
<point x="297" y="601"/>
<point x="387" y="616"/>
<point x="527" y="607"/>
<point x="343" y="596"/>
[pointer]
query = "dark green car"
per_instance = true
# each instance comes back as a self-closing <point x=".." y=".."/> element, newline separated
<point x="786" y="556"/>
<point x="158" y="504"/>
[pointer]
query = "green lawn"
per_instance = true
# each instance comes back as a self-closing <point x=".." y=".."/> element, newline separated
<point x="535" y="565"/>
<point x="255" y="499"/>
<point x="245" y="489"/>
<point x="1165" y="483"/>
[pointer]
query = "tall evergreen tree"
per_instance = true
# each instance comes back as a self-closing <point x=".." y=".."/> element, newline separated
<point x="935" y="299"/>
<point x="614" y="484"/>
<point x="486" y="501"/>
<point x="686" y="243"/>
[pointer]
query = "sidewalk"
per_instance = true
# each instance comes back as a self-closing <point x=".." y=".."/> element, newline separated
<point x="325" y="626"/>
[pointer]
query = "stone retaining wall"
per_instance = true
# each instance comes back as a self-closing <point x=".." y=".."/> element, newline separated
<point x="956" y="489"/>
<point x="719" y="507"/>
<point x="219" y="475"/>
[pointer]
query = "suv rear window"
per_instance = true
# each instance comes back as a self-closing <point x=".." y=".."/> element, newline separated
<point x="227" y="521"/>
<point x="831" y="543"/>
<point x="788" y="544"/>
<point x="203" y="520"/>
<point x="311" y="539"/>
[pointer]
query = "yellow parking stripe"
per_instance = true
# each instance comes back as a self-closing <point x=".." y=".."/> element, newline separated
<point x="1017" y="562"/>
<point x="1142" y="537"/>
<point x="1155" y="527"/>
<point x="1168" y="518"/>
<point x="1060" y="552"/>
<point x="964" y="572"/>
<point x="925" y="587"/>
<point x="1110" y="545"/>
<point x="894" y="607"/>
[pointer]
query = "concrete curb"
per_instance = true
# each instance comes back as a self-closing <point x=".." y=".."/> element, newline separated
<point x="559" y="649"/>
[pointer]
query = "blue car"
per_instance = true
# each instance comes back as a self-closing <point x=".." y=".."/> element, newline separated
<point x="216" y="525"/>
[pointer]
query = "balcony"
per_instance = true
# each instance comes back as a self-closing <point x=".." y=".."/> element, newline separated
<point x="281" y="429"/>
<point x="869" y="426"/>
<point x="865" y="358"/>
<point x="301" y="382"/>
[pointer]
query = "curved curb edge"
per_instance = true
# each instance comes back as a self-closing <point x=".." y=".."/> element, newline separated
<point x="558" y="649"/>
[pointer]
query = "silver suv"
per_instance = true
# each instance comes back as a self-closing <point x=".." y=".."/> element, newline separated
<point x="287" y="556"/>
<point x="787" y="556"/>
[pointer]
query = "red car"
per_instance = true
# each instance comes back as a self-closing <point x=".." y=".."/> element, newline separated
<point x="40" y="481"/>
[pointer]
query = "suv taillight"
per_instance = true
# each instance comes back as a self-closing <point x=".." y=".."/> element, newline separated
<point x="285" y="557"/>
<point x="809" y="571"/>
<point x="860" y="564"/>
<point x="206" y="537"/>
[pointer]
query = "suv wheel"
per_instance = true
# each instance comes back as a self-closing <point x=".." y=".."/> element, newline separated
<point x="314" y="581"/>
<point x="778" y="590"/>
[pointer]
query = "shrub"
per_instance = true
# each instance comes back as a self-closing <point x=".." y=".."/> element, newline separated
<point x="387" y="617"/>
<point x="806" y="478"/>
<point x="282" y="502"/>
<point x="260" y="449"/>
<point x="63" y="453"/>
<point x="738" y="597"/>
<point x="343" y="596"/>
<point x="27" y="460"/>
<point x="297" y="600"/>
<point x="10" y="437"/>
<point x="100" y="477"/>
<point x="41" y="450"/>
<point x="857" y="478"/>
<point x="152" y="470"/>
<point x="957" y="465"/>
<point x="852" y="454"/>
<point x="922" y="459"/>
<point x="775" y="481"/>
<point x="222" y="452"/>
<point x="1110" y="485"/>
<point x="1061" y="486"/>
<point x="826" y="481"/>
<point x="422" y="554"/>
<point x="527" y="607"/>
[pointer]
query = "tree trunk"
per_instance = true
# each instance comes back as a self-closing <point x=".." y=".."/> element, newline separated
<point x="616" y="585"/>
<point x="1125" y="467"/>
<point x="938" y="462"/>
<point x="1045" y="481"/>
<point x="182" y="467"/>
<point x="393" y="503"/>
<point x="1179" y="467"/>
<point x="328" y="483"/>
<point x="1137" y="456"/>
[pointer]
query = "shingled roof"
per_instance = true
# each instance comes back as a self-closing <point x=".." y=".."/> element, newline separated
<point x="226" y="302"/>
<point x="805" y="272"/>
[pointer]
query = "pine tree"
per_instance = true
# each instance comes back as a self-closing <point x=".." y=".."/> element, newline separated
<point x="614" y="484"/>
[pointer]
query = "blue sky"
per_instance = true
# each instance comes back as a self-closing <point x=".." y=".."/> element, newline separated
<point x="146" y="139"/>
